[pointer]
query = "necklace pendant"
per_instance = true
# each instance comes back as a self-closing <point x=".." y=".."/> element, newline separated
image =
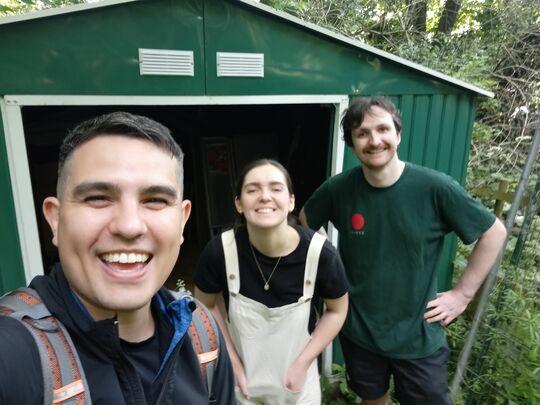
<point x="266" y="287"/>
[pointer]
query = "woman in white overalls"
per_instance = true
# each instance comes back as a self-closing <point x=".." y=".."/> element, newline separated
<point x="259" y="280"/>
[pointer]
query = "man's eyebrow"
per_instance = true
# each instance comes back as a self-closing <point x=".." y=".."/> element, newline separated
<point x="106" y="187"/>
<point x="93" y="186"/>
<point x="161" y="189"/>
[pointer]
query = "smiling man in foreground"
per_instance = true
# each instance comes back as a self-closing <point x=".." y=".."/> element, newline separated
<point x="118" y="222"/>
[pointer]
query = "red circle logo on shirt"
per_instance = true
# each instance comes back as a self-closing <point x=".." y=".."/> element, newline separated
<point x="357" y="222"/>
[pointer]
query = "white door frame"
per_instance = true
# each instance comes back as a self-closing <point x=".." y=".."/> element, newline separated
<point x="18" y="159"/>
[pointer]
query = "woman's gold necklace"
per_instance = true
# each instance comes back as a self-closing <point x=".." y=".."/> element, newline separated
<point x="266" y="280"/>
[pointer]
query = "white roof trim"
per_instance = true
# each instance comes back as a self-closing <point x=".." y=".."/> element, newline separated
<point x="70" y="100"/>
<point x="277" y="13"/>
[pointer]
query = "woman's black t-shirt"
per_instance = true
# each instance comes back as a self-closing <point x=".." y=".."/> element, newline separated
<point x="286" y="284"/>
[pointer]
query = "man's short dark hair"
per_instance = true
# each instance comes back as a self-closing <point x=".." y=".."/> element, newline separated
<point x="117" y="123"/>
<point x="354" y="115"/>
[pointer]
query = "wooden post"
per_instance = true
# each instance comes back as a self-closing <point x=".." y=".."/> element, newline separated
<point x="499" y="204"/>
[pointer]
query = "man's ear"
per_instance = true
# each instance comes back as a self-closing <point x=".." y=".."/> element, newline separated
<point x="186" y="211"/>
<point x="51" y="211"/>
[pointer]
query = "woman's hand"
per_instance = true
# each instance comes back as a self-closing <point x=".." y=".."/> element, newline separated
<point x="327" y="328"/>
<point x="296" y="375"/>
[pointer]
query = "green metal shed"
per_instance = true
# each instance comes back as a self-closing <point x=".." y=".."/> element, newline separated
<point x="234" y="80"/>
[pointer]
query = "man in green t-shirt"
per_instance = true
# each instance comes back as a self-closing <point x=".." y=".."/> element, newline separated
<point x="392" y="217"/>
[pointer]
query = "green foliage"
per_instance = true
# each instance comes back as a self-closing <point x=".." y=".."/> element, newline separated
<point x="505" y="366"/>
<point x="335" y="390"/>
<point x="486" y="157"/>
<point x="9" y="7"/>
<point x="181" y="286"/>
<point x="462" y="57"/>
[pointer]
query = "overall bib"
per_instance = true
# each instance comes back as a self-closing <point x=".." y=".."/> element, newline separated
<point x="268" y="340"/>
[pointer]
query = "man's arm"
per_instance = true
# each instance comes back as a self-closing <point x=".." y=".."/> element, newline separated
<point x="450" y="304"/>
<point x="303" y="220"/>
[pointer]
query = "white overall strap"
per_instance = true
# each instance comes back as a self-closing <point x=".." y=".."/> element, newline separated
<point x="312" y="264"/>
<point x="231" y="261"/>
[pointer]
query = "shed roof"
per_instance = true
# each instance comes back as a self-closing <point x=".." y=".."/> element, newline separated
<point x="282" y="15"/>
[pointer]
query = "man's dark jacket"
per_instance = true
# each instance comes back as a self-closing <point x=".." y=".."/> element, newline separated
<point x="111" y="377"/>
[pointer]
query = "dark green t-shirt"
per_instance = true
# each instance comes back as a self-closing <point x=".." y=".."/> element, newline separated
<point x="390" y="240"/>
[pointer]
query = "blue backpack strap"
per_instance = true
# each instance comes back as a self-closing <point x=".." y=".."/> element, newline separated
<point x="64" y="381"/>
<point x="204" y="335"/>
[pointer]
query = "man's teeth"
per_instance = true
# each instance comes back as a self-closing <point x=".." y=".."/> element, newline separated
<point x="125" y="257"/>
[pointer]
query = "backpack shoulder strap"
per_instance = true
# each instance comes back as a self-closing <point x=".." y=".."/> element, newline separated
<point x="64" y="381"/>
<point x="203" y="331"/>
<point x="204" y="337"/>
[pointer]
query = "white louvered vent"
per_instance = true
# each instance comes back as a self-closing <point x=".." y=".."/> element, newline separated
<point x="233" y="64"/>
<point x="164" y="62"/>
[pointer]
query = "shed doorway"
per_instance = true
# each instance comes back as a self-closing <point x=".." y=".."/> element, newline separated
<point x="218" y="140"/>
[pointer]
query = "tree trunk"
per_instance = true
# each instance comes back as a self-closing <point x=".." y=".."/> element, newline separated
<point x="449" y="15"/>
<point x="417" y="10"/>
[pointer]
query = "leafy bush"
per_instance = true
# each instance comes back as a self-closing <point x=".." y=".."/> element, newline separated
<point x="505" y="362"/>
<point x="335" y="390"/>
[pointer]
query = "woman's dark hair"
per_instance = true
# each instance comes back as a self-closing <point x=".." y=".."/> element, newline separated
<point x="257" y="163"/>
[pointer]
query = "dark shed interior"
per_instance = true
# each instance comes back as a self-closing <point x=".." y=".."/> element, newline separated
<point x="217" y="141"/>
